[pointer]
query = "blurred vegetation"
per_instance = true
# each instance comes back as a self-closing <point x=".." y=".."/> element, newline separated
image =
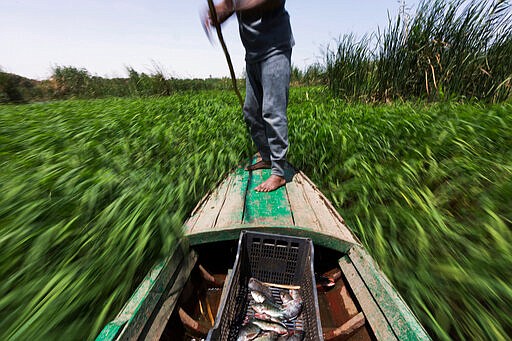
<point x="94" y="191"/>
<point x="427" y="189"/>
<point x="68" y="82"/>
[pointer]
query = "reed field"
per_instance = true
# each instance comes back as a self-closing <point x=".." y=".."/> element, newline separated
<point x="442" y="50"/>
<point x="94" y="191"/>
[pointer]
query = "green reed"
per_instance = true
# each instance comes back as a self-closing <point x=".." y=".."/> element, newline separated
<point x="447" y="49"/>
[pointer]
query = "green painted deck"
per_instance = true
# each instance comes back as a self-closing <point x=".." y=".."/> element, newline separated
<point x="298" y="208"/>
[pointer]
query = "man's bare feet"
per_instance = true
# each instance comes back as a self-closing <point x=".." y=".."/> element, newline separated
<point x="259" y="165"/>
<point x="271" y="184"/>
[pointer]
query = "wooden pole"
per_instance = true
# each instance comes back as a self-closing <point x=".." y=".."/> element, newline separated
<point x="213" y="16"/>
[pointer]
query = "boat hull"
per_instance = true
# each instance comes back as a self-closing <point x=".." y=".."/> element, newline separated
<point x="297" y="209"/>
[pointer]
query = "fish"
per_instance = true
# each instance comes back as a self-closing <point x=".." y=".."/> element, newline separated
<point x="270" y="326"/>
<point x="285" y="296"/>
<point x="269" y="309"/>
<point x="295" y="294"/>
<point x="264" y="317"/>
<point x="292" y="309"/>
<point x="267" y="336"/>
<point x="258" y="296"/>
<point x="255" y="285"/>
<point x="248" y="332"/>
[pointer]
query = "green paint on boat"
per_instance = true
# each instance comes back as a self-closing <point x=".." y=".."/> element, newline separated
<point x="110" y="331"/>
<point x="266" y="206"/>
<point x="402" y="320"/>
<point x="246" y="209"/>
<point x="234" y="232"/>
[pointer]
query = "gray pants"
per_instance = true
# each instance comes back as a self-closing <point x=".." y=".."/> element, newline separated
<point x="266" y="100"/>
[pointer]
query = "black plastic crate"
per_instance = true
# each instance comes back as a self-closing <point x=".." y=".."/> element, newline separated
<point x="271" y="258"/>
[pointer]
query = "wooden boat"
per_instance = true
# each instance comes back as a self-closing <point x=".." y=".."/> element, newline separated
<point x="179" y="298"/>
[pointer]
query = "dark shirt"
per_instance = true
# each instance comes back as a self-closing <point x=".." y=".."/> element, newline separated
<point x="265" y="32"/>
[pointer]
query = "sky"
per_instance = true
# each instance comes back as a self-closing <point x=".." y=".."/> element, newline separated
<point x="107" y="36"/>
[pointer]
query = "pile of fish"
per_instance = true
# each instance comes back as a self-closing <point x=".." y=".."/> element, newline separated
<point x="268" y="322"/>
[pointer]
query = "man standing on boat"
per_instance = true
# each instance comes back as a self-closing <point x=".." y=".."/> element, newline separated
<point x="266" y="34"/>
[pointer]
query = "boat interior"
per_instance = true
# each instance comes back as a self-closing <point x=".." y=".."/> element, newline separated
<point x="196" y="309"/>
<point x="180" y="297"/>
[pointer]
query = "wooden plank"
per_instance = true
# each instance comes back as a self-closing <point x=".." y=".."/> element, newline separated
<point x="224" y="291"/>
<point x="266" y="208"/>
<point x="200" y="206"/>
<point x="302" y="212"/>
<point x="402" y="320"/>
<point x="329" y="220"/>
<point x="334" y="212"/>
<point x="149" y="304"/>
<point x="196" y="213"/>
<point x="232" y="211"/>
<point x="347" y="329"/>
<point x="110" y="331"/>
<point x="325" y="220"/>
<point x="211" y="209"/>
<point x="374" y="316"/>
<point x="348" y="303"/>
<point x="155" y="329"/>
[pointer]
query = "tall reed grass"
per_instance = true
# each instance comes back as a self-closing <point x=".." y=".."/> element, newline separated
<point x="447" y="49"/>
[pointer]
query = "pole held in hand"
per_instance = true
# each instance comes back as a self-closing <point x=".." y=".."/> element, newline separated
<point x="213" y="16"/>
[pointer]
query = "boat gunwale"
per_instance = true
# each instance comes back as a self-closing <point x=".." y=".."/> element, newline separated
<point x="232" y="233"/>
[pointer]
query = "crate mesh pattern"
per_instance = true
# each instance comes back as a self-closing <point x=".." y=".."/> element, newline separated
<point x="271" y="258"/>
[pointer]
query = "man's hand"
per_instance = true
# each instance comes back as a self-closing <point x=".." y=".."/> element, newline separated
<point x="204" y="16"/>
<point x="224" y="10"/>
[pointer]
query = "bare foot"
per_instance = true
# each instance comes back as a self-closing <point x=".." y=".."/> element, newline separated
<point x="271" y="184"/>
<point x="259" y="165"/>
